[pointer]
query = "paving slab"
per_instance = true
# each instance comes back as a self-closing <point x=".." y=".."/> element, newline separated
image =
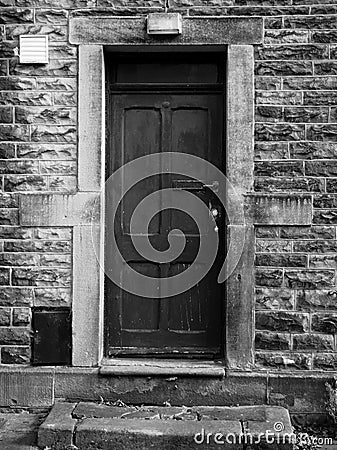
<point x="18" y="431"/>
<point x="93" y="426"/>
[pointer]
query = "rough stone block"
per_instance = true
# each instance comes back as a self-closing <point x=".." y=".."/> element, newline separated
<point x="17" y="84"/>
<point x="289" y="361"/>
<point x="324" y="323"/>
<point x="19" y="167"/>
<point x="273" y="246"/>
<point x="310" y="83"/>
<point x="280" y="260"/>
<point x="47" y="151"/>
<point x="9" y="217"/>
<point x="58" y="116"/>
<point x="282" y="321"/>
<point x="278" y="168"/>
<point x="325" y="216"/>
<point x="279" y="132"/>
<point x="53" y="133"/>
<point x="269" y="278"/>
<point x="323" y="262"/>
<point x="285" y="184"/>
<point x="10" y="296"/>
<point x="21" y="317"/>
<point x="324" y="98"/>
<point x="14" y="336"/>
<point x="5" y="317"/>
<point x="23" y="183"/>
<point x="267" y="232"/>
<point x="62" y="68"/>
<point x="25" y="98"/>
<point x="51" y="16"/>
<point x="56" y="246"/>
<point x="309" y="279"/>
<point x="286" y="36"/>
<point x="15" y="355"/>
<point x="314" y="342"/>
<point x="7" y="150"/>
<point x="14" y="133"/>
<point x="65" y="98"/>
<point x="328" y="201"/>
<point x="271" y="150"/>
<point x="274" y="299"/>
<point x="278" y="98"/>
<point x="325" y="68"/>
<point x="268" y="83"/>
<point x="16" y="15"/>
<point x="326" y="132"/>
<point x="325" y="361"/>
<point x="300" y="114"/>
<point x="293" y="52"/>
<point x="58" y="167"/>
<point x="272" y="341"/>
<point x="41" y="277"/>
<point x="321" y="300"/>
<point x="51" y="297"/>
<point x="319" y="246"/>
<point x="6" y="115"/>
<point x="20" y="259"/>
<point x="55" y="33"/>
<point x="56" y="84"/>
<point x="313" y="232"/>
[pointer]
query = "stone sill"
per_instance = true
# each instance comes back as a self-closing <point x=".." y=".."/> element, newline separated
<point x="168" y="368"/>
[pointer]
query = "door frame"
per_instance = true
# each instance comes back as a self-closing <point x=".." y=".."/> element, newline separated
<point x="237" y="36"/>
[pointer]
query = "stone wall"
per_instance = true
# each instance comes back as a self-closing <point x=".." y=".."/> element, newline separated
<point x="295" y="148"/>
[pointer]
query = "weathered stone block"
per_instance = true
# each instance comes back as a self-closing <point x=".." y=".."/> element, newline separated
<point x="309" y="279"/>
<point x="313" y="232"/>
<point x="278" y="98"/>
<point x="267" y="232"/>
<point x="324" y="323"/>
<point x="25" y="98"/>
<point x="65" y="184"/>
<point x="325" y="216"/>
<point x="65" y="98"/>
<point x="284" y="68"/>
<point x="41" y="277"/>
<point x="279" y="246"/>
<point x="268" y="113"/>
<point x="273" y="22"/>
<point x="276" y="168"/>
<point x="12" y="167"/>
<point x="10" y="296"/>
<point x="323" y="98"/>
<point x="282" y="321"/>
<point x="6" y="114"/>
<point x="16" y="15"/>
<point x="291" y="52"/>
<point x="21" y="316"/>
<point x="15" y="233"/>
<point x="283" y="361"/>
<point x="147" y="3"/>
<point x="56" y="246"/>
<point x="61" y="167"/>
<point x="331" y="186"/>
<point x="56" y="84"/>
<point x="9" y="217"/>
<point x="326" y="361"/>
<point x="54" y="233"/>
<point x="310" y="83"/>
<point x="286" y="36"/>
<point x="313" y="150"/>
<point x="55" y="260"/>
<point x="269" y="278"/>
<point x="327" y="132"/>
<point x="284" y="184"/>
<point x="7" y="150"/>
<point x="17" y="84"/>
<point x="311" y="22"/>
<point x="47" y="151"/>
<point x="272" y="341"/>
<point x="5" y="317"/>
<point x="317" y="246"/>
<point x="279" y="132"/>
<point x="24" y="183"/>
<point x="325" y="68"/>
<point x="274" y="299"/>
<point x="280" y="260"/>
<point x="15" y="355"/>
<point x="54" y="133"/>
<point x="14" y="336"/>
<point x="300" y="114"/>
<point x="314" y="342"/>
<point x="271" y="150"/>
<point x="21" y="259"/>
<point x="38" y="115"/>
<point x="14" y="132"/>
<point x="326" y="200"/>
<point x="316" y="300"/>
<point x="51" y="16"/>
<point x="54" y="68"/>
<point x="63" y="51"/>
<point x="325" y="36"/>
<point x="54" y="33"/>
<point x="268" y="83"/>
<point x="52" y="297"/>
<point x="3" y="67"/>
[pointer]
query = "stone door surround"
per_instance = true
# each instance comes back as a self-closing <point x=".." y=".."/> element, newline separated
<point x="235" y="37"/>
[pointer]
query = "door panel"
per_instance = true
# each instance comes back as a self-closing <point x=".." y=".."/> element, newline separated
<point x="189" y="322"/>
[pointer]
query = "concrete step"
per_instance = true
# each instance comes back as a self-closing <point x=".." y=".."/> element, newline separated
<point x="92" y="426"/>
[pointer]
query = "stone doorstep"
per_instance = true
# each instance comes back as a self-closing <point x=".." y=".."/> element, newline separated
<point x="92" y="426"/>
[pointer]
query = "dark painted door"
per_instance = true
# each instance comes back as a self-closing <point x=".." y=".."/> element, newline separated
<point x="190" y="323"/>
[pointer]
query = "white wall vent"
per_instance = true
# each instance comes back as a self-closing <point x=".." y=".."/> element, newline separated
<point x="33" y="49"/>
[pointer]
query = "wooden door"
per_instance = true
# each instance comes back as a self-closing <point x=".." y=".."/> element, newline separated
<point x="190" y="323"/>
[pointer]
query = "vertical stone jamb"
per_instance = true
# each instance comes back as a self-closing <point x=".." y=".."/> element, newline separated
<point x="240" y="165"/>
